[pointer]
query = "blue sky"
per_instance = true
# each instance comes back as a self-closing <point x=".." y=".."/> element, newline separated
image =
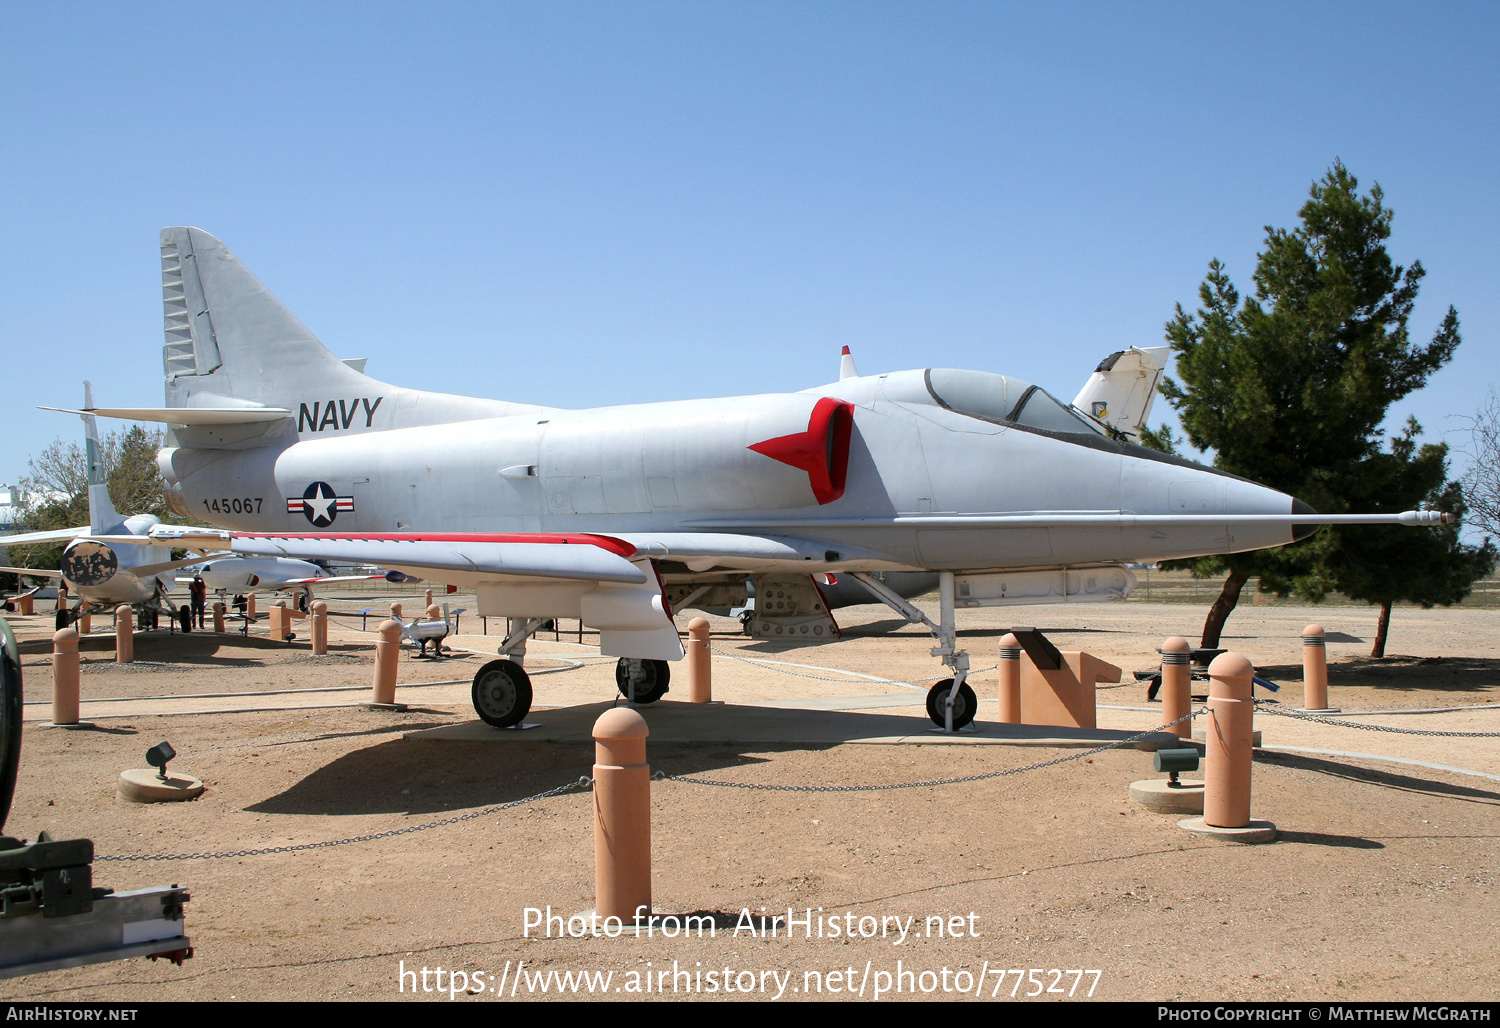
<point x="580" y="204"/>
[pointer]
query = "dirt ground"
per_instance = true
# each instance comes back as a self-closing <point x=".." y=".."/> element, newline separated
<point x="1382" y="886"/>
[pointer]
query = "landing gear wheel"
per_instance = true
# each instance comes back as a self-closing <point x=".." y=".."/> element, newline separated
<point x="963" y="707"/>
<point x="10" y="718"/>
<point x="148" y="620"/>
<point x="63" y="620"/>
<point x="502" y="693"/>
<point x="650" y="677"/>
<point x="747" y="618"/>
<point x="185" y="618"/>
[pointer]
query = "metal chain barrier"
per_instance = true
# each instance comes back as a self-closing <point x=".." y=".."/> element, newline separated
<point x="1261" y="706"/>
<point x="663" y="776"/>
<point x="583" y="783"/>
<point x="774" y="666"/>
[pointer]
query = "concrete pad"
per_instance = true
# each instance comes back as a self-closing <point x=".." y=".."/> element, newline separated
<point x="1160" y="797"/>
<point x="142" y="785"/>
<point x="738" y="724"/>
<point x="1255" y="831"/>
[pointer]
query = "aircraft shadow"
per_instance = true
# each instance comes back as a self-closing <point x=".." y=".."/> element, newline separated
<point x="467" y="765"/>
<point x="1402" y="673"/>
<point x="400" y="777"/>
<point x="1382" y="779"/>
<point x="203" y="648"/>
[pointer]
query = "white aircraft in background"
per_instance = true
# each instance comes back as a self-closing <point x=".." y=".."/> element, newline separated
<point x="103" y="576"/>
<point x="616" y="515"/>
<point x="238" y="575"/>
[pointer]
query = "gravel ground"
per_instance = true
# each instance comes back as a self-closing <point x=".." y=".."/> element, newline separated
<point x="1382" y="886"/>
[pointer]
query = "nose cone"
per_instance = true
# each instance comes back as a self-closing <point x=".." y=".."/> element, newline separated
<point x="1301" y="532"/>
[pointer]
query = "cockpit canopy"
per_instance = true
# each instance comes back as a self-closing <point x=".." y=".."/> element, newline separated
<point x="1004" y="401"/>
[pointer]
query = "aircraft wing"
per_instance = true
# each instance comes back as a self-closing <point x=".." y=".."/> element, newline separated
<point x="1076" y="519"/>
<point x="603" y="580"/>
<point x="147" y="570"/>
<point x="38" y="572"/>
<point x="331" y="578"/>
<point x="56" y="535"/>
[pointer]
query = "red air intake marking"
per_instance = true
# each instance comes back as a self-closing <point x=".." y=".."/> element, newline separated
<point x="822" y="451"/>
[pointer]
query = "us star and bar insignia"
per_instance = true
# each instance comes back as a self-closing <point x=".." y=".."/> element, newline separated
<point x="320" y="504"/>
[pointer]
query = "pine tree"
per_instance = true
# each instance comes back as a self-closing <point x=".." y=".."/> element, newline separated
<point x="1389" y="564"/>
<point x="1289" y="387"/>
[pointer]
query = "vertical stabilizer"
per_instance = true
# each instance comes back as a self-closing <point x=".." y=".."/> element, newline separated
<point x="228" y="335"/>
<point x="846" y="366"/>
<point x="231" y="343"/>
<point x="1120" y="391"/>
<point x="103" y="519"/>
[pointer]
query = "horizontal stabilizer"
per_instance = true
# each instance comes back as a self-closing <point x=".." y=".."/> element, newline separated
<point x="185" y="415"/>
<point x="56" y="535"/>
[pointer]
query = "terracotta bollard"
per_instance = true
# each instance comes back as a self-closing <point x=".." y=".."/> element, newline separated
<point x="1227" y="733"/>
<point x="395" y="612"/>
<point x="1315" y="669"/>
<point x="1229" y="727"/>
<point x="699" y="669"/>
<point x="86" y="624"/>
<point x="219" y="616"/>
<point x="24" y="605"/>
<point x="124" y="634"/>
<point x="1010" y="680"/>
<point x="1177" y="684"/>
<point x="65" y="676"/>
<point x="427" y="601"/>
<point x="387" y="656"/>
<point x="622" y="817"/>
<point x="250" y="607"/>
<point x="319" y="627"/>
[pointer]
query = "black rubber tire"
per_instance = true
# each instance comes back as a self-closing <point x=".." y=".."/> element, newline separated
<point x="10" y="719"/>
<point x="502" y="693"/>
<point x="653" y="686"/>
<point x="185" y="618"/>
<point x="63" y="620"/>
<point x="963" y="709"/>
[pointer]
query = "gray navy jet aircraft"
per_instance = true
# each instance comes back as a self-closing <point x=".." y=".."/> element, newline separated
<point x="618" y="515"/>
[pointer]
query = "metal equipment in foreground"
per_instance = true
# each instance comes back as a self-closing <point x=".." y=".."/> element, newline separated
<point x="51" y="914"/>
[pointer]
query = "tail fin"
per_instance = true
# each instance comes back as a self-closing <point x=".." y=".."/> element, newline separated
<point x="1122" y="387"/>
<point x="230" y="343"/>
<point x="103" y="518"/>
<point x="846" y="366"/>
<point x="228" y="335"/>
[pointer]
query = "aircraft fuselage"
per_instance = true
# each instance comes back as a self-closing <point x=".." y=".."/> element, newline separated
<point x="910" y="471"/>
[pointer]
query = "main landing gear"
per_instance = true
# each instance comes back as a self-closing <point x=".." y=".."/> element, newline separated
<point x="502" y="693"/>
<point x="642" y="681"/>
<point x="502" y="688"/>
<point x="950" y="703"/>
